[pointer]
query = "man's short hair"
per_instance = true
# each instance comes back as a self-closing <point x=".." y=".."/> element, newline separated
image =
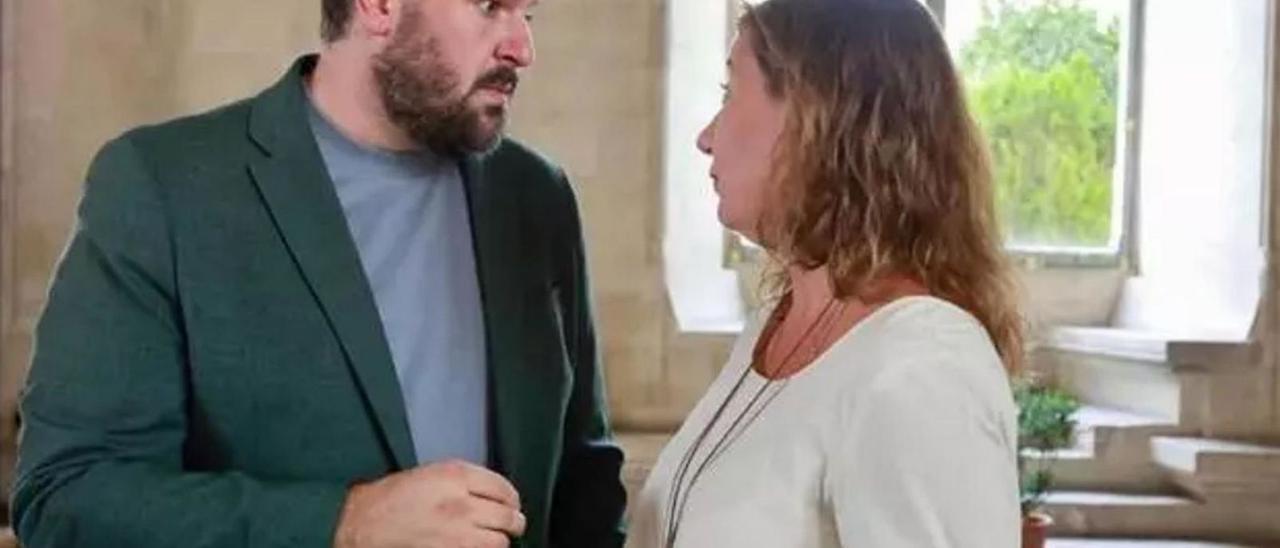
<point x="335" y="18"/>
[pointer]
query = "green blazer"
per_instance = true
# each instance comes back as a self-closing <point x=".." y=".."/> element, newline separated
<point x="211" y="371"/>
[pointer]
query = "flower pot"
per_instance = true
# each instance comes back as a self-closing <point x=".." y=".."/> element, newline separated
<point x="1035" y="529"/>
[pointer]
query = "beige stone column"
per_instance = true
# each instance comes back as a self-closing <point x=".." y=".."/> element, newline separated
<point x="593" y="101"/>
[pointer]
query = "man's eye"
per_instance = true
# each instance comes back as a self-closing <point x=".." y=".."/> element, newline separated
<point x="487" y="6"/>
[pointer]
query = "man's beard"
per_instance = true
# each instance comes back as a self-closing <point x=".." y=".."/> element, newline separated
<point x="418" y="94"/>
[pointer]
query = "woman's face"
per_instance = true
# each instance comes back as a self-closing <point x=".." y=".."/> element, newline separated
<point x="740" y="141"/>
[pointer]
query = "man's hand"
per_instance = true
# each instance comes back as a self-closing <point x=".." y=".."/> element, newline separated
<point x="447" y="505"/>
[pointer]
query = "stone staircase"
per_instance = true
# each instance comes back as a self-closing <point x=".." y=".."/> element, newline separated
<point x="1156" y="457"/>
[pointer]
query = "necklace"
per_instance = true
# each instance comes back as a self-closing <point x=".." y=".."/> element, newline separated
<point x="679" y="496"/>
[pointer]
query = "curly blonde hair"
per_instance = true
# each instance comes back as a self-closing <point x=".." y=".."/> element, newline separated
<point x="880" y="169"/>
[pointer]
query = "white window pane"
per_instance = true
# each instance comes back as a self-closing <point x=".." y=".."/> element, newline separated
<point x="1043" y="79"/>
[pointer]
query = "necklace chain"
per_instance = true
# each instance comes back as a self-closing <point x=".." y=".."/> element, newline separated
<point x="680" y="490"/>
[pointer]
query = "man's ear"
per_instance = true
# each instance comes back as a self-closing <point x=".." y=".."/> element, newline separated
<point x="376" y="18"/>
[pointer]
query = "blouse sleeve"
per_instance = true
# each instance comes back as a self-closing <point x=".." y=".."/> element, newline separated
<point x="924" y="459"/>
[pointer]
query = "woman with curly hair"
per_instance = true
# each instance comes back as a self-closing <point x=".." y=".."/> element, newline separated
<point x="869" y="404"/>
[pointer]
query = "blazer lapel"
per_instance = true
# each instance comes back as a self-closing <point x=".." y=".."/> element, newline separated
<point x="296" y="188"/>
<point x="527" y="389"/>
<point x="495" y="237"/>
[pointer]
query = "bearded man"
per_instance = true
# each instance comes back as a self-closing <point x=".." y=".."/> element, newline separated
<point x="345" y="312"/>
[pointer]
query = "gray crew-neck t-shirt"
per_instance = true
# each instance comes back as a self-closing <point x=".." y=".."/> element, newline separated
<point x="408" y="214"/>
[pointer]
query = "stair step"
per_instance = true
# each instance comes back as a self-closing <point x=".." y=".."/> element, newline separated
<point x="1210" y="353"/>
<point x="1097" y="415"/>
<point x="1136" y="543"/>
<point x="1139" y="386"/>
<point x="1193" y="455"/>
<point x="1112" y="452"/>
<point x="1117" y="500"/>
<point x="1105" y="514"/>
<point x="1212" y="468"/>
<point x="1086" y="472"/>
<point x="1122" y="434"/>
<point x="1098" y="427"/>
<point x="1137" y="369"/>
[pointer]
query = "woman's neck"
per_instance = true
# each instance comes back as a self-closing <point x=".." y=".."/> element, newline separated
<point x="811" y="291"/>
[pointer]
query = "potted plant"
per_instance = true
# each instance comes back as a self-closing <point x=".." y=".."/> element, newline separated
<point x="1045" y="426"/>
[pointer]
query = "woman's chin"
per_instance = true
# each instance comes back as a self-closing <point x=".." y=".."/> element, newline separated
<point x="727" y="219"/>
<point x="736" y="224"/>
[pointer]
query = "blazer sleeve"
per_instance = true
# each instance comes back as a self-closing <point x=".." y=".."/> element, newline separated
<point x="924" y="459"/>
<point x="104" y="408"/>
<point x="589" y="499"/>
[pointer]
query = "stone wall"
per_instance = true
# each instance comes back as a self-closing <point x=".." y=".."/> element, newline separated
<point x="75" y="74"/>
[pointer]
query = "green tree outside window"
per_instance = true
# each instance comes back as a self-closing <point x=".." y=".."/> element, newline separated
<point x="1043" y="85"/>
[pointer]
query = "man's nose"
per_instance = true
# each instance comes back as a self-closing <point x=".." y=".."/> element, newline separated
<point x="517" y="47"/>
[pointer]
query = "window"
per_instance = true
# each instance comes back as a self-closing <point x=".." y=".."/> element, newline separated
<point x="705" y="296"/>
<point x="1052" y="84"/>
<point x="1054" y="87"/>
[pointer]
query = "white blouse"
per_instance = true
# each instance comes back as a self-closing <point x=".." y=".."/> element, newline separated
<point x="901" y="435"/>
